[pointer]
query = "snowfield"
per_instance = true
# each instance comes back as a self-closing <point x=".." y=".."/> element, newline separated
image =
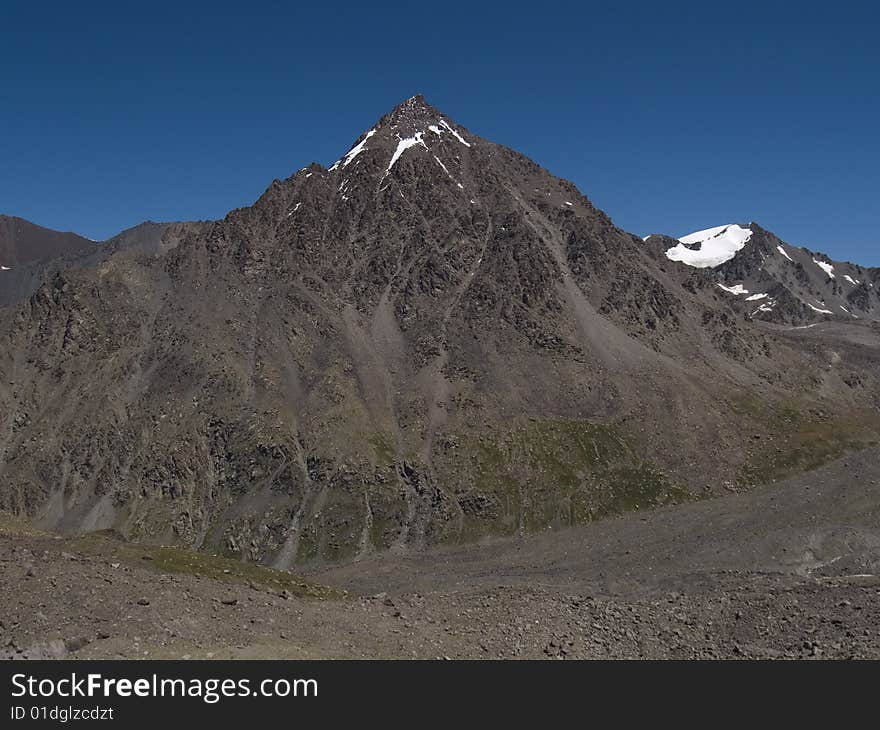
<point x="714" y="246"/>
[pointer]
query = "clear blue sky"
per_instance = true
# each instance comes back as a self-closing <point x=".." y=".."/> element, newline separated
<point x="671" y="116"/>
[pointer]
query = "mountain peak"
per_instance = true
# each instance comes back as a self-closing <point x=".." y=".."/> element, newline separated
<point x="412" y="123"/>
<point x="414" y="109"/>
<point x="417" y="101"/>
<point x="410" y="117"/>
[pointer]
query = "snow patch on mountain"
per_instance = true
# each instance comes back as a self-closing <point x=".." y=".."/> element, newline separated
<point x="354" y="151"/>
<point x="454" y="133"/>
<point x="765" y="307"/>
<point x="404" y="145"/>
<point x="442" y="165"/>
<point x="737" y="289"/>
<point x="711" y="247"/>
<point x="826" y="267"/>
<point x="784" y="253"/>
<point x="756" y="297"/>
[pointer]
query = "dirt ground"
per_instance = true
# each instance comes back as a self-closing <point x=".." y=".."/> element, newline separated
<point x="787" y="571"/>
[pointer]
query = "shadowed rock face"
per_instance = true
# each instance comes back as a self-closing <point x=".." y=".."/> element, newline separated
<point x="22" y="242"/>
<point x="28" y="253"/>
<point x="40" y="254"/>
<point x="433" y="340"/>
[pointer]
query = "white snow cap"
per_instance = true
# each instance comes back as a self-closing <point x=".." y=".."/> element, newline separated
<point x="716" y="245"/>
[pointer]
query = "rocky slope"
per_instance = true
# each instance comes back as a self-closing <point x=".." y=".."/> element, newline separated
<point x="774" y="281"/>
<point x="787" y="571"/>
<point x="431" y="341"/>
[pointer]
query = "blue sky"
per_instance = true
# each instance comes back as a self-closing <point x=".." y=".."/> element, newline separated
<point x="670" y="116"/>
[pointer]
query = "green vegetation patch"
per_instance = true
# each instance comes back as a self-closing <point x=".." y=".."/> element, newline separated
<point x="791" y="438"/>
<point x="551" y="472"/>
<point x="383" y="447"/>
<point x="166" y="559"/>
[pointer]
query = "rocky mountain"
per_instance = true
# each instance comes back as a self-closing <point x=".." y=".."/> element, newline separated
<point x="775" y="281"/>
<point x="431" y="341"/>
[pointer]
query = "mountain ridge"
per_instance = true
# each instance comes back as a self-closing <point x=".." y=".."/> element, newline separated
<point x="788" y="284"/>
<point x="23" y="242"/>
<point x="431" y="341"/>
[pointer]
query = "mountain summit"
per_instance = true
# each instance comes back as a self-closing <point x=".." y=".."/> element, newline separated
<point x="411" y="120"/>
<point x="431" y="341"/>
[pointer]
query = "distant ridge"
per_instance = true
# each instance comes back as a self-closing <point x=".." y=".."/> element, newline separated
<point x="22" y="242"/>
